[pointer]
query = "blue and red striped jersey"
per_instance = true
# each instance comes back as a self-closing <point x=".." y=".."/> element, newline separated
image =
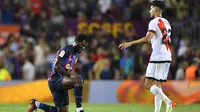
<point x="67" y="57"/>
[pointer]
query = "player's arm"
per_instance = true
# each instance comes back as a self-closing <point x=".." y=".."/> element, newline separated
<point x="145" y="39"/>
<point x="58" y="68"/>
<point x="151" y="32"/>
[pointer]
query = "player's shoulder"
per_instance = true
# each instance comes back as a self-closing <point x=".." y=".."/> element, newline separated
<point x="153" y="21"/>
<point x="66" y="49"/>
<point x="156" y="20"/>
<point x="164" y="20"/>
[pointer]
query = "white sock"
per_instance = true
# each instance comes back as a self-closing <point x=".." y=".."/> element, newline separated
<point x="157" y="103"/>
<point x="79" y="109"/>
<point x="37" y="104"/>
<point x="159" y="93"/>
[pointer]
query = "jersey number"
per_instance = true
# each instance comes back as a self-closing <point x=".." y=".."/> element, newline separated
<point x="165" y="33"/>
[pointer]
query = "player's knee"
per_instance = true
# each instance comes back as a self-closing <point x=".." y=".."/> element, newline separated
<point x="68" y="83"/>
<point x="148" y="83"/>
<point x="147" y="86"/>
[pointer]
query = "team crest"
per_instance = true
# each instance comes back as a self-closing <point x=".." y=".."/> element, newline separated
<point x="68" y="66"/>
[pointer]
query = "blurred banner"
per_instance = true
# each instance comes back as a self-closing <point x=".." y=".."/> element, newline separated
<point x="103" y="91"/>
<point x="23" y="92"/>
<point x="112" y="27"/>
<point x="9" y="28"/>
<point x="183" y="92"/>
<point x="99" y="91"/>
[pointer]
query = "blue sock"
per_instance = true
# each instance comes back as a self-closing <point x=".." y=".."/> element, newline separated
<point x="78" y="93"/>
<point x="47" y="108"/>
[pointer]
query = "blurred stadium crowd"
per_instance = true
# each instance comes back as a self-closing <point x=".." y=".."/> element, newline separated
<point x="29" y="54"/>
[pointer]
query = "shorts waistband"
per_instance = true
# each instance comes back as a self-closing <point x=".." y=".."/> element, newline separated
<point x="160" y="61"/>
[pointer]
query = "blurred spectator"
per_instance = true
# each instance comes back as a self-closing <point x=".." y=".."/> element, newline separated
<point x="22" y="17"/>
<point x="184" y="44"/>
<point x="71" y="9"/>
<point x="115" y="58"/>
<point x="191" y="72"/>
<point x="104" y="5"/>
<point x="36" y="6"/>
<point x="7" y="14"/>
<point x="44" y="21"/>
<point x="145" y="56"/>
<point x="170" y="10"/>
<point x="137" y="9"/>
<point x="27" y="31"/>
<point x="28" y="70"/>
<point x="182" y="9"/>
<point x="87" y="65"/>
<point x="102" y="60"/>
<point x="180" y="73"/>
<point x="40" y="63"/>
<point x="4" y="74"/>
<point x="96" y="14"/>
<point x="127" y="65"/>
<point x="81" y="16"/>
<point x="106" y="72"/>
<point x="112" y="13"/>
<point x="56" y="18"/>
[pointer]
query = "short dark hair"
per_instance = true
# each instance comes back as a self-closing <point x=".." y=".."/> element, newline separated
<point x="82" y="37"/>
<point x="158" y="3"/>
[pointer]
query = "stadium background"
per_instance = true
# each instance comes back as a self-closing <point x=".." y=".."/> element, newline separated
<point x="32" y="30"/>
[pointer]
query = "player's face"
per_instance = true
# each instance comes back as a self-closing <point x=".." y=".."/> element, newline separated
<point x="82" y="45"/>
<point x="152" y="11"/>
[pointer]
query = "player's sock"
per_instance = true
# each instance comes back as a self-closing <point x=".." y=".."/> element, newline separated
<point x="79" y="109"/>
<point x="159" y="93"/>
<point x="45" y="107"/>
<point x="157" y="103"/>
<point x="78" y="90"/>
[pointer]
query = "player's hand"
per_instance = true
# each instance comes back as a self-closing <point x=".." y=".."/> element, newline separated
<point x="77" y="78"/>
<point x="124" y="45"/>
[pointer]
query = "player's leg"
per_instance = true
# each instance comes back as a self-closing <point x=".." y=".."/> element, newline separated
<point x="68" y="83"/>
<point x="157" y="100"/>
<point x="59" y="88"/>
<point x="34" y="104"/>
<point x="48" y="108"/>
<point x="152" y="86"/>
<point x="78" y="94"/>
<point x="63" y="108"/>
<point x="160" y="95"/>
<point x="159" y="71"/>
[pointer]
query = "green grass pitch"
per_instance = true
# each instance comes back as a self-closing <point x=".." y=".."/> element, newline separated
<point x="106" y="108"/>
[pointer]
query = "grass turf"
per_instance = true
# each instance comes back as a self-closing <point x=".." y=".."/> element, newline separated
<point x="106" y="108"/>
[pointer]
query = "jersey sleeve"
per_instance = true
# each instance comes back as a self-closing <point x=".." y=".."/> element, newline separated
<point x="63" y="53"/>
<point x="152" y="26"/>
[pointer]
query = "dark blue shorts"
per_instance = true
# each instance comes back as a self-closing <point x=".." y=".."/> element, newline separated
<point x="60" y="96"/>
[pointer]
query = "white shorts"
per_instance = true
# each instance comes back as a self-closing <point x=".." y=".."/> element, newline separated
<point x="158" y="71"/>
